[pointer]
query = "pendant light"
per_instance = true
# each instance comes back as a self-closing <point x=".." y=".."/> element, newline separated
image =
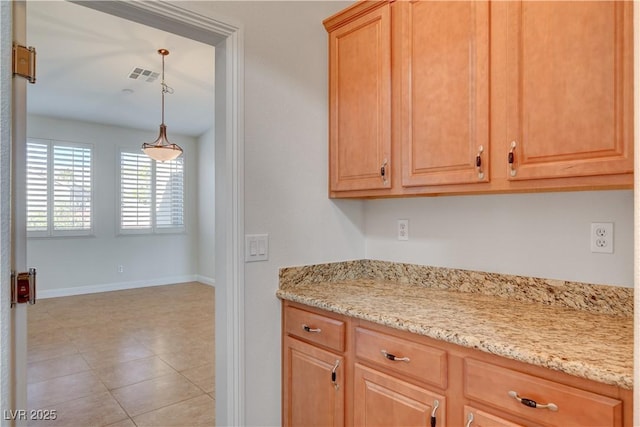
<point x="161" y="149"/>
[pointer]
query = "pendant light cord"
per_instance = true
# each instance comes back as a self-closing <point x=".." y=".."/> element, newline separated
<point x="165" y="88"/>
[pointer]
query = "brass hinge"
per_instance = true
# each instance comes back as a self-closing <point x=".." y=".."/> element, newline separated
<point x="23" y="287"/>
<point x="24" y="62"/>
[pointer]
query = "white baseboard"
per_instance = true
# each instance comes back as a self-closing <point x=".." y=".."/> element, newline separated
<point x="107" y="287"/>
<point x="206" y="280"/>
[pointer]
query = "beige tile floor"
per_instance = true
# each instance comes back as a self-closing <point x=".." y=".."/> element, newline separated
<point x="138" y="357"/>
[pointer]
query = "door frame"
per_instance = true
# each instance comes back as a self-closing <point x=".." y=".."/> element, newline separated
<point x="227" y="37"/>
<point x="636" y="214"/>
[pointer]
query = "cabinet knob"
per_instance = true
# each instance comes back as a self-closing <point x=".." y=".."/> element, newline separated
<point x="532" y="403"/>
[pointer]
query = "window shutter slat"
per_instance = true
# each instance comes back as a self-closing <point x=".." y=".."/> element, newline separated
<point x="71" y="188"/>
<point x="135" y="191"/>
<point x="151" y="194"/>
<point x="59" y="187"/>
<point x="170" y="194"/>
<point x="37" y="186"/>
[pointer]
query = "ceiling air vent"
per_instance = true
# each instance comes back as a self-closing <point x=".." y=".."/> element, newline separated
<point x="140" y="73"/>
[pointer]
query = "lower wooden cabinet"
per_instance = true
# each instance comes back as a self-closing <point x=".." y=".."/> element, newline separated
<point x="342" y="371"/>
<point x="380" y="399"/>
<point x="314" y="386"/>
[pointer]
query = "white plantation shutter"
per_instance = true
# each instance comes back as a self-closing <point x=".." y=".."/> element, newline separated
<point x="71" y="188"/>
<point x="151" y="194"/>
<point x="59" y="188"/>
<point x="169" y="194"/>
<point x="37" y="186"/>
<point x="135" y="191"/>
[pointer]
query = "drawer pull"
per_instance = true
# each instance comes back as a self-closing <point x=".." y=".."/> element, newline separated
<point x="532" y="403"/>
<point x="394" y="358"/>
<point x="308" y="329"/>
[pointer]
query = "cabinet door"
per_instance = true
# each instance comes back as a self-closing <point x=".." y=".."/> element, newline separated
<point x="445" y="91"/>
<point x="360" y="102"/>
<point x="312" y="396"/>
<point x="383" y="400"/>
<point x="569" y="96"/>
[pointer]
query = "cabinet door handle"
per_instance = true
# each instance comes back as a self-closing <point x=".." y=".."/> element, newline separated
<point x="394" y="358"/>
<point x="309" y="329"/>
<point x="436" y="404"/>
<point x="383" y="171"/>
<point x="532" y="403"/>
<point x="469" y="419"/>
<point x="334" y="374"/>
<point x="512" y="159"/>
<point x="479" y="162"/>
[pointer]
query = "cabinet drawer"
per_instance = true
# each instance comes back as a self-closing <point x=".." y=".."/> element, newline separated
<point x="315" y="328"/>
<point x="419" y="361"/>
<point x="477" y="418"/>
<point x="492" y="385"/>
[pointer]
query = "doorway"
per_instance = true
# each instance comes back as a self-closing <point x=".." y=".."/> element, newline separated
<point x="229" y="206"/>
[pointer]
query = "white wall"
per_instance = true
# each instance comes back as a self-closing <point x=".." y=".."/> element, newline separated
<point x="67" y="264"/>
<point x="542" y="235"/>
<point x="286" y="134"/>
<point x="286" y="138"/>
<point x="205" y="205"/>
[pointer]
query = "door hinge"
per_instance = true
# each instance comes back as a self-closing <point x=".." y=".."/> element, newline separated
<point x="24" y="62"/>
<point x="23" y="287"/>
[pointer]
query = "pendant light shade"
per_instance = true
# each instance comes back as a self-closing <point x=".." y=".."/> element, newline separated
<point x="161" y="149"/>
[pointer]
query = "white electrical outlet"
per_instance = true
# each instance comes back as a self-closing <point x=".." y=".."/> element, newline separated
<point x="403" y="229"/>
<point x="602" y="237"/>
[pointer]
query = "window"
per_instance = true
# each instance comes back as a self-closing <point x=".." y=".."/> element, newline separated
<point x="151" y="194"/>
<point x="59" y="188"/>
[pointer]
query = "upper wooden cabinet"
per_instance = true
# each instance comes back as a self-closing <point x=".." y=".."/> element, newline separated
<point x="444" y="91"/>
<point x="480" y="97"/>
<point x="569" y="95"/>
<point x="360" y="97"/>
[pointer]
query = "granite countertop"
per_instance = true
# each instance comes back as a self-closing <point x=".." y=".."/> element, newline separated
<point x="596" y="344"/>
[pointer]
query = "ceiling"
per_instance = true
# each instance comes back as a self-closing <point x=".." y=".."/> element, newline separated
<point x="85" y="57"/>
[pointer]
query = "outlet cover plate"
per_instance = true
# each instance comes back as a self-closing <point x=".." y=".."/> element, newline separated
<point x="602" y="237"/>
<point x="403" y="229"/>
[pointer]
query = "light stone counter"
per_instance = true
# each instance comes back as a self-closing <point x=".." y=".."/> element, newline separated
<point x="593" y="343"/>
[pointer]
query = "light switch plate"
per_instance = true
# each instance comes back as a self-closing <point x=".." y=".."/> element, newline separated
<point x="256" y="247"/>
